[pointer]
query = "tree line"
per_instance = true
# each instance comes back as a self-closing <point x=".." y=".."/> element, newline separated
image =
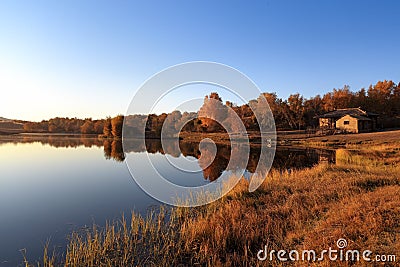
<point x="295" y="112"/>
<point x="298" y="112"/>
<point x="66" y="125"/>
<point x="109" y="127"/>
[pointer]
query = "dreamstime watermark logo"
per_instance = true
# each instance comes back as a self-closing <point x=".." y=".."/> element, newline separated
<point x="166" y="82"/>
<point x="340" y="253"/>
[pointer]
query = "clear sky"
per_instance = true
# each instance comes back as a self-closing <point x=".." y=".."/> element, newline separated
<point x="87" y="58"/>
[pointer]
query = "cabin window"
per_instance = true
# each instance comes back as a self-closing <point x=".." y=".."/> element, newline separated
<point x="346" y="122"/>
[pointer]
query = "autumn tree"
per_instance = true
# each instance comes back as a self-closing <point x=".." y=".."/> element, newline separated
<point x="188" y="122"/>
<point x="171" y="123"/>
<point x="107" y="129"/>
<point x="87" y="127"/>
<point x="361" y="99"/>
<point x="312" y="108"/>
<point x="116" y="126"/>
<point x="277" y="107"/>
<point x="379" y="97"/>
<point x="212" y="113"/>
<point x="395" y="101"/>
<point x="98" y="126"/>
<point x="342" y="98"/>
<point x="296" y="110"/>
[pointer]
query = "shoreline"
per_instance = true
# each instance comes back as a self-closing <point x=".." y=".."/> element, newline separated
<point x="284" y="138"/>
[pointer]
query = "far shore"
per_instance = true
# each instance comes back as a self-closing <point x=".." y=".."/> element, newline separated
<point x="284" y="138"/>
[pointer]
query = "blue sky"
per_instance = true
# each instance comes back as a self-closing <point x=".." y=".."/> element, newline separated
<point x="87" y="58"/>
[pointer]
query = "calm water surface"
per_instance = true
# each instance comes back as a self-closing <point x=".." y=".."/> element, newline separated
<point x="52" y="185"/>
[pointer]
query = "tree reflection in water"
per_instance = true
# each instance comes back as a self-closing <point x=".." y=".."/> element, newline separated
<point x="285" y="157"/>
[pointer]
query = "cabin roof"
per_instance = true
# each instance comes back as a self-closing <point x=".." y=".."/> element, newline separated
<point x="360" y="118"/>
<point x="339" y="113"/>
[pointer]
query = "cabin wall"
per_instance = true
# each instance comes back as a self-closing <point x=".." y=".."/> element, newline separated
<point x="348" y="124"/>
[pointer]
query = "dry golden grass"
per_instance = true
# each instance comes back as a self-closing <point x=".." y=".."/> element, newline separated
<point x="359" y="141"/>
<point x="358" y="199"/>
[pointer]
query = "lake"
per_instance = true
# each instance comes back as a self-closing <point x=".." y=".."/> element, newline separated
<point x="52" y="185"/>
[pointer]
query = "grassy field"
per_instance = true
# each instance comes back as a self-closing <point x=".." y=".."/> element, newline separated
<point x="362" y="140"/>
<point x="357" y="199"/>
<point x="295" y="138"/>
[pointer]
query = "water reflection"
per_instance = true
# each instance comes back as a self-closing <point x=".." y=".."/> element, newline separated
<point x="113" y="150"/>
<point x="54" y="140"/>
<point x="285" y="158"/>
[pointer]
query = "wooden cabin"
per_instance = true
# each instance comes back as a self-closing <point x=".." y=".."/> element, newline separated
<point x="354" y="120"/>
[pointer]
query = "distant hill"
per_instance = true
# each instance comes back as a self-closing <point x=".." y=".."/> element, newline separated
<point x="8" y="126"/>
<point x="4" y="119"/>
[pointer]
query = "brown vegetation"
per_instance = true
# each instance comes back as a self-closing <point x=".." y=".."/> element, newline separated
<point x="65" y="125"/>
<point x="350" y="140"/>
